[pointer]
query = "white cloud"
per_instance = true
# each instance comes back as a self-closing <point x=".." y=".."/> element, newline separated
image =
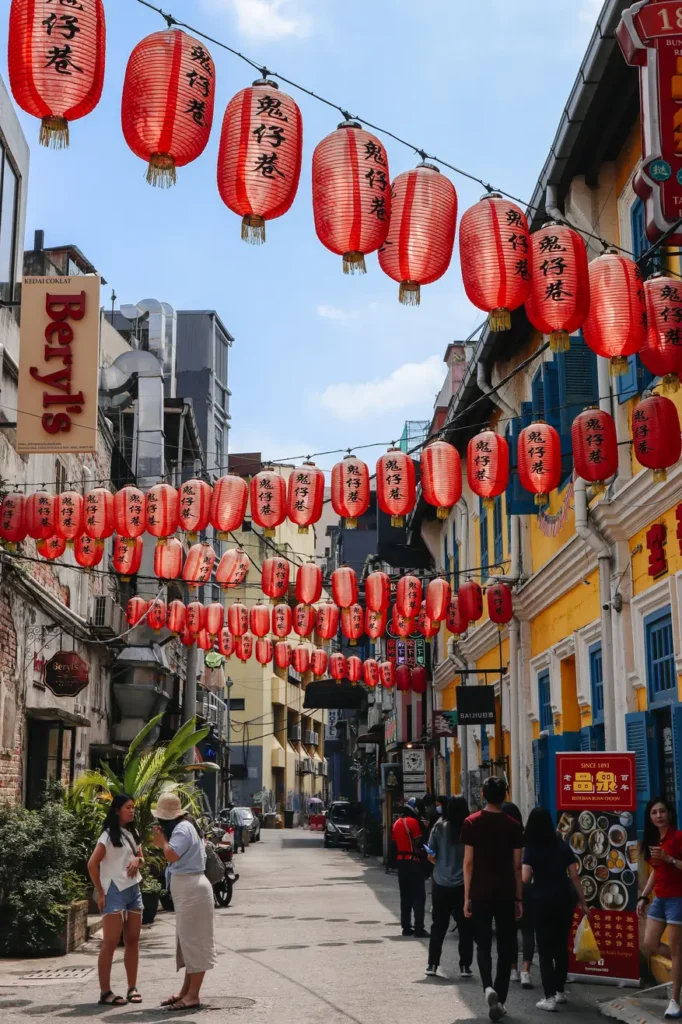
<point x="590" y="11"/>
<point x="334" y="313"/>
<point x="267" y="19"/>
<point x="413" y="384"/>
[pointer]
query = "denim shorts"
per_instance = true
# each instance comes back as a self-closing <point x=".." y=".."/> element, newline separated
<point x="123" y="901"/>
<point x="666" y="909"/>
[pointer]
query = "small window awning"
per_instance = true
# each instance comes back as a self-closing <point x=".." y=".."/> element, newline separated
<point x="369" y="738"/>
<point x="58" y="715"/>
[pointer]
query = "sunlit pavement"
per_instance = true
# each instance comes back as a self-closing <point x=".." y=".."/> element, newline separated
<point x="312" y="936"/>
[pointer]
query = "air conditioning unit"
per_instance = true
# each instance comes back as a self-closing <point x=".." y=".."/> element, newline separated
<point x="310" y="765"/>
<point x="300" y="767"/>
<point x="106" y="616"/>
<point x="310" y="737"/>
<point x="316" y="739"/>
<point x="322" y="768"/>
<point x="295" y="733"/>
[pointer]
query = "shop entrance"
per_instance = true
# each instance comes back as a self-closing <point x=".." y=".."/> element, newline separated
<point x="51" y="757"/>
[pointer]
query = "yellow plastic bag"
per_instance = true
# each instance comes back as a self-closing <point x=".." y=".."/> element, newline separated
<point x="585" y="946"/>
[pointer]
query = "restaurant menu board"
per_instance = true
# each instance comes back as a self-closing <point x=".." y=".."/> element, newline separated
<point x="604" y="841"/>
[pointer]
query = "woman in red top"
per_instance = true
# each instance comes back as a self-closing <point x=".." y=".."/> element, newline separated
<point x="663" y="851"/>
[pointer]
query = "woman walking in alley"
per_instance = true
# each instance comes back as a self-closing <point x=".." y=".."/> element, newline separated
<point x="178" y="838"/>
<point x="663" y="851"/>
<point x="114" y="868"/>
<point x="447" y="893"/>
<point x="525" y="925"/>
<point x="552" y="867"/>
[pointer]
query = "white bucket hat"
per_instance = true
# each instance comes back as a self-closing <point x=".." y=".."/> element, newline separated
<point x="169" y="807"/>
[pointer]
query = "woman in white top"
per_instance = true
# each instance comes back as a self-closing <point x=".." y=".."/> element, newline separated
<point x="115" y="872"/>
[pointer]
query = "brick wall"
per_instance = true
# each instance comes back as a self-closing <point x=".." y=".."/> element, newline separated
<point x="11" y="713"/>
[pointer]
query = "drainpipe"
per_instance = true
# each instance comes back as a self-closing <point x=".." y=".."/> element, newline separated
<point x="589" y="533"/>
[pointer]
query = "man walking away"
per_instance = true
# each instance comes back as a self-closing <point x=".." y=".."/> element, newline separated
<point x="237" y="822"/>
<point x="407" y="836"/>
<point x="492" y="890"/>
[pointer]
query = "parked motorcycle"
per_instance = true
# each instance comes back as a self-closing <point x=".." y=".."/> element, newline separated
<point x="223" y="889"/>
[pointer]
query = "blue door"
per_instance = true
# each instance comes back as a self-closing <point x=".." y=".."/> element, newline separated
<point x="660" y="658"/>
<point x="640" y="734"/>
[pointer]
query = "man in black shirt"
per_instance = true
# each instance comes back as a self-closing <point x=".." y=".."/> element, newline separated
<point x="492" y="889"/>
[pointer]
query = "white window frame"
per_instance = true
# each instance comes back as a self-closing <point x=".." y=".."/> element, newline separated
<point x="547" y="660"/>
<point x="667" y="592"/>
<point x="584" y="639"/>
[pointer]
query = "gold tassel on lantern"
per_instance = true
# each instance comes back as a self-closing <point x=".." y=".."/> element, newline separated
<point x="354" y="263"/>
<point x="599" y="489"/>
<point x="660" y="476"/>
<point x="268" y="531"/>
<point x="54" y="133"/>
<point x="397" y="521"/>
<point x="253" y="229"/>
<point x="409" y="293"/>
<point x="559" y="341"/>
<point x="488" y="504"/>
<point x="304" y="529"/>
<point x="618" y="365"/>
<point x="161" y="171"/>
<point x="351" y="524"/>
<point x="671" y="383"/>
<point x="443" y="512"/>
<point x="500" y="320"/>
<point x="541" y="499"/>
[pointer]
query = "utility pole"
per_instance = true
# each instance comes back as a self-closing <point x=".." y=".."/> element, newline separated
<point x="189" y="695"/>
<point x="229" y="684"/>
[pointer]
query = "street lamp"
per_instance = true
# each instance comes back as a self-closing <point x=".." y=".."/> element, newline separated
<point x="228" y="685"/>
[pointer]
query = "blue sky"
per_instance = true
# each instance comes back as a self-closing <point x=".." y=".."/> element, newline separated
<point x="320" y="360"/>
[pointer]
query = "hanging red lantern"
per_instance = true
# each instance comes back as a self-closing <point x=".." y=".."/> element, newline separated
<point x="13" y="527"/>
<point x="168" y="559"/>
<point x="438" y="597"/>
<point x="127" y="556"/>
<point x="214" y="618"/>
<point x="56" y="63"/>
<point x="282" y="654"/>
<point x="559" y="299"/>
<point x="421" y="235"/>
<point x="615" y="327"/>
<point x="259" y="620"/>
<point x="163" y="511"/>
<point x="88" y="552"/>
<point x="129" y="512"/>
<point x="228" y="504"/>
<point x="264" y="650"/>
<point x="198" y="565"/>
<point x="661" y="352"/>
<point x="305" y="496"/>
<point x="304" y="619"/>
<point x="205" y="641"/>
<point x="370" y="673"/>
<point x="402" y="678"/>
<point x="225" y="643"/>
<point x="232" y="568"/>
<point x="396" y="485"/>
<point x="186" y="638"/>
<point x="488" y="466"/>
<point x="337" y="666"/>
<point x="470" y="598"/>
<point x="351" y="194"/>
<point x="51" y="548"/>
<point x="402" y="625"/>
<point x="378" y="591"/>
<point x="243" y="646"/>
<point x="350" y="490"/>
<point x="656" y="435"/>
<point x="318" y="662"/>
<point x="375" y="624"/>
<point x="275" y="578"/>
<point x="408" y="597"/>
<point x="238" y="619"/>
<point x="157" y="614"/>
<point x="493" y="247"/>
<point x="419" y="679"/>
<point x="300" y="659"/>
<point x="387" y="674"/>
<point x="327" y="621"/>
<point x="441" y="476"/>
<point x="259" y="161"/>
<point x="167" y="106"/>
<point x="268" y="501"/>
<point x="40" y="510"/>
<point x="195" y="617"/>
<point x="352" y="623"/>
<point x="136" y="609"/>
<point x="426" y="625"/>
<point x="354" y="669"/>
<point x="456" y="620"/>
<point x="308" y="583"/>
<point x="499" y="598"/>
<point x="539" y="460"/>
<point x="177" y="617"/>
<point x="69" y="516"/>
<point x="195" y="505"/>
<point x="282" y="620"/>
<point x="595" y="447"/>
<point x="344" y="586"/>
<point x="98" y="513"/>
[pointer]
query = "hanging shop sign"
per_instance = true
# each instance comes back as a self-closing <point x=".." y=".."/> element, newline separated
<point x="475" y="705"/>
<point x="66" y="674"/>
<point x="445" y="724"/>
<point x="409" y="651"/>
<point x="650" y="36"/>
<point x="58" y="365"/>
<point x="391" y="730"/>
<point x="391" y="778"/>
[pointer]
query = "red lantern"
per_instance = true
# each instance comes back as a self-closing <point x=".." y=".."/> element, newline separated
<point x="157" y="614"/>
<point x="275" y="578"/>
<point x="163" y="511"/>
<point x="488" y="466"/>
<point x="129" y="512"/>
<point x="350" y="490"/>
<point x="378" y="591"/>
<point x="167" y="107"/>
<point x="264" y="650"/>
<point x="232" y="568"/>
<point x="205" y="641"/>
<point x="408" y="596"/>
<point x="318" y="662"/>
<point x="595" y="447"/>
<point x="493" y="248"/>
<point x="243" y="646"/>
<point x="195" y="505"/>
<point x="559" y="299"/>
<point x="168" y="559"/>
<point x="228" y="504"/>
<point x="375" y="624"/>
<point x="281" y="620"/>
<point x="327" y="621"/>
<point x="127" y="556"/>
<point x="259" y="162"/>
<point x="308" y="583"/>
<point x="438" y="596"/>
<point x="53" y="547"/>
<point x="419" y="679"/>
<point x="198" y="565"/>
<point x="69" y="516"/>
<point x="370" y="673"/>
<point x="441" y="476"/>
<point x="186" y="638"/>
<point x="615" y="327"/>
<point x="259" y="620"/>
<point x="387" y="674"/>
<point x="305" y="496"/>
<point x="656" y="435"/>
<point x="226" y="643"/>
<point x="238" y="619"/>
<point x="662" y="349"/>
<point x="354" y="669"/>
<point x="421" y="236"/>
<point x="300" y="659"/>
<point x="304" y="619"/>
<point x="13" y="520"/>
<point x="337" y="666"/>
<point x="396" y="485"/>
<point x="352" y="623"/>
<point x="402" y="678"/>
<point x="402" y="625"/>
<point x="470" y="598"/>
<point x="426" y="625"/>
<point x="499" y="598"/>
<point x="177" y="617"/>
<point x="56" y="63"/>
<point x="268" y="501"/>
<point x="40" y="510"/>
<point x="196" y="617"/>
<point x="539" y="460"/>
<point x="282" y="654"/>
<point x="351" y="194"/>
<point x="98" y="513"/>
<point x="456" y="620"/>
<point x="344" y="586"/>
<point x="88" y="552"/>
<point x="214" y="618"/>
<point x="136" y="609"/>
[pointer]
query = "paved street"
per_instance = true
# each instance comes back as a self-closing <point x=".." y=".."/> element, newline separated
<point x="312" y="936"/>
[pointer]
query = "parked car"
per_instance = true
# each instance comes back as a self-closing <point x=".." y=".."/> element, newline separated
<point x="344" y="820"/>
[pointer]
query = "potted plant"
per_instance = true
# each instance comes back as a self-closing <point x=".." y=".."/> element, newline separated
<point x="151" y="890"/>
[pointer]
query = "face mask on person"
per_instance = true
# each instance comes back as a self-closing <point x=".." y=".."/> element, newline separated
<point x="439" y="808"/>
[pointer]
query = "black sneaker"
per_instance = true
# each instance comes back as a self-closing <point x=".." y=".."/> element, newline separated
<point x="465" y="972"/>
<point x="408" y="931"/>
<point x="422" y="933"/>
<point x="431" y="971"/>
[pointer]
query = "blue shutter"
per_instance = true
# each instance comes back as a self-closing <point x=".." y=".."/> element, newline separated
<point x="536" y="772"/>
<point x="661" y="670"/>
<point x="498" y="547"/>
<point x="538" y="395"/>
<point x="483" y="527"/>
<point x="635" y="381"/>
<point x="545" y="702"/>
<point x="578" y="384"/>
<point x="550" y="381"/>
<point x="592" y="738"/>
<point x="640" y="737"/>
<point x="597" y="683"/>
<point x="519" y="501"/>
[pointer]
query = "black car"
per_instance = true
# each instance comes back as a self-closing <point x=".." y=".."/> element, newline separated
<point x="344" y="820"/>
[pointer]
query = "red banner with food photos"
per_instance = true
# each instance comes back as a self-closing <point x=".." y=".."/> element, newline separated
<point x="601" y="782"/>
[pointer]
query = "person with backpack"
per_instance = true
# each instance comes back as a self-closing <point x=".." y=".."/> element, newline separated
<point x="408" y="838"/>
<point x="446" y="853"/>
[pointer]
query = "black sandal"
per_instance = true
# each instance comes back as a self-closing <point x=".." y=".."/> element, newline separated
<point x="104" y="999"/>
<point x="133" y="995"/>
